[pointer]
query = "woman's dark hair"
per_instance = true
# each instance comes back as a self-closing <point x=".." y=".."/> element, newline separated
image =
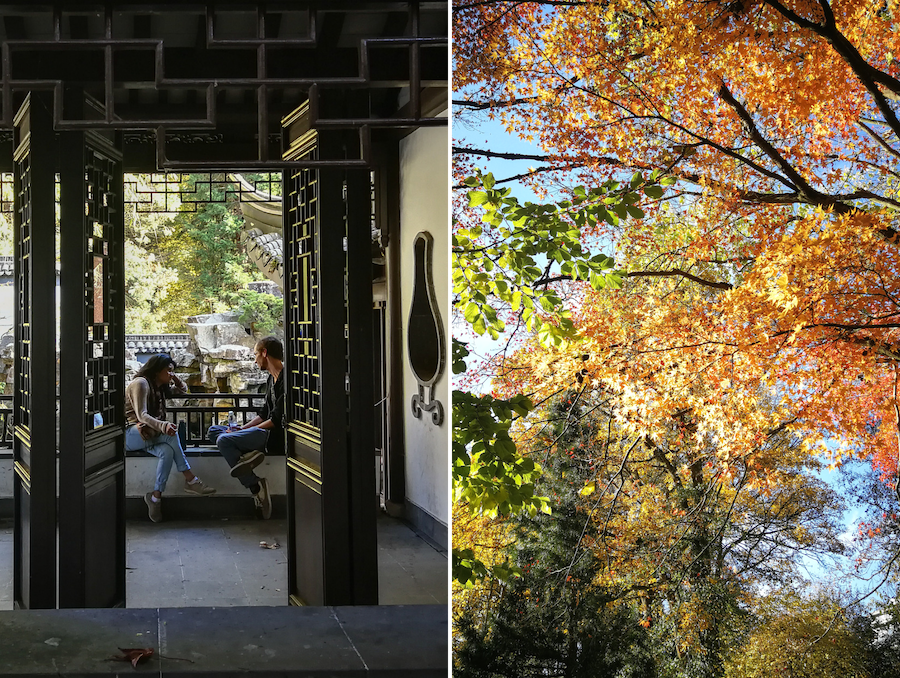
<point x="154" y="366"/>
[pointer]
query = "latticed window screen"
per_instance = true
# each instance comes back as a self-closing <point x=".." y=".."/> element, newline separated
<point x="23" y="307"/>
<point x="7" y="190"/>
<point x="174" y="192"/>
<point x="302" y="204"/>
<point x="101" y="396"/>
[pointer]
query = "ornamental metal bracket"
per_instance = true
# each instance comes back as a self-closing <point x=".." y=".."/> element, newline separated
<point x="422" y="401"/>
<point x="425" y="332"/>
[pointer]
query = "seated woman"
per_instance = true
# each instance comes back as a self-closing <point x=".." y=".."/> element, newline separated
<point x="148" y="430"/>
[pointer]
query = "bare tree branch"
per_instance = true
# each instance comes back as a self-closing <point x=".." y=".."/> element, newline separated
<point x="878" y="138"/>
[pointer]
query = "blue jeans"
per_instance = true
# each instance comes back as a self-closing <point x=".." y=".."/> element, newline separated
<point x="233" y="445"/>
<point x="166" y="447"/>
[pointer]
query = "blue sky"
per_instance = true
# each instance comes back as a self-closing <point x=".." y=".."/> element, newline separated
<point x="491" y="135"/>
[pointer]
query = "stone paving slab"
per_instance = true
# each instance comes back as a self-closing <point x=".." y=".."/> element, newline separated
<point x="217" y="563"/>
<point x="267" y="640"/>
<point x="74" y="643"/>
<point x="349" y="642"/>
<point x="399" y="641"/>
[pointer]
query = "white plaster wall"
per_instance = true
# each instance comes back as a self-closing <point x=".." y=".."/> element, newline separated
<point x="6" y="309"/>
<point x="424" y="206"/>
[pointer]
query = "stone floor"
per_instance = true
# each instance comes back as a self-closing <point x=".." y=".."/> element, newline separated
<point x="221" y="563"/>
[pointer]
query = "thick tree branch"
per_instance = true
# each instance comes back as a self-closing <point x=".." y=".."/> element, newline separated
<point x="684" y="274"/>
<point x="488" y="105"/>
<point x="867" y="74"/>
<point x="805" y="192"/>
<point x="460" y="150"/>
<point x="704" y="141"/>
<point x="676" y="272"/>
<point x="796" y="179"/>
<point x="794" y="17"/>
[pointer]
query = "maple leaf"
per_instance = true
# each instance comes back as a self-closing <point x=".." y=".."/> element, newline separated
<point x="135" y="655"/>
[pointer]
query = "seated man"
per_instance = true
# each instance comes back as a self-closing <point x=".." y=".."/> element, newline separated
<point x="243" y="447"/>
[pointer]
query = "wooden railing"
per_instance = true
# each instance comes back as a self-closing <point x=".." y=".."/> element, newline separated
<point x="6" y="421"/>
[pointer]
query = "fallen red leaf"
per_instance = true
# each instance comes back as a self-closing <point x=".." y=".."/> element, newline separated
<point x="134" y="654"/>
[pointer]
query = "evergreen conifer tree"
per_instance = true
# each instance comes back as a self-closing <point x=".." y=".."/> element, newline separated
<point x="554" y="620"/>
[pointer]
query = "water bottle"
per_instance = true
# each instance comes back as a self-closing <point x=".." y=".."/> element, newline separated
<point x="232" y="421"/>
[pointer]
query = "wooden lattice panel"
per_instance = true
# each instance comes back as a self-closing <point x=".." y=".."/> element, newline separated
<point x="101" y="395"/>
<point x="302" y="280"/>
<point x="23" y="305"/>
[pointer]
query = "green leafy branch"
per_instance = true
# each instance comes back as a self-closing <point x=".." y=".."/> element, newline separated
<point x="490" y="476"/>
<point x="495" y="263"/>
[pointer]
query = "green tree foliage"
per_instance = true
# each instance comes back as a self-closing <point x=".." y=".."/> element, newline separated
<point x="260" y="311"/>
<point x="882" y="629"/>
<point x="205" y="250"/>
<point x="6" y="220"/>
<point x="507" y="263"/>
<point x="801" y="636"/>
<point x="186" y="264"/>
<point x="147" y="275"/>
<point x="147" y="284"/>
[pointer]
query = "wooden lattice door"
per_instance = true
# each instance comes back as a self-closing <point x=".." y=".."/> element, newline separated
<point x="329" y="391"/>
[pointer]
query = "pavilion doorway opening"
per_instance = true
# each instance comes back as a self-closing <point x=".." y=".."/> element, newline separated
<point x="326" y="93"/>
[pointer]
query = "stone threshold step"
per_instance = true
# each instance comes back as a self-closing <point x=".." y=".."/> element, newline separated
<point x="301" y="642"/>
<point x="181" y="507"/>
<point x="186" y="508"/>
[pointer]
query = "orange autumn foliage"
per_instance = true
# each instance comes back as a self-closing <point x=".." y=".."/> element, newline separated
<point x="775" y="260"/>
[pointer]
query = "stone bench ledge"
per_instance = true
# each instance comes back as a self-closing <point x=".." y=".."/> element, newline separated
<point x="370" y="641"/>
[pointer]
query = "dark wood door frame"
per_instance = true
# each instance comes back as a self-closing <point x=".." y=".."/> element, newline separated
<point x="34" y="399"/>
<point x="92" y="380"/>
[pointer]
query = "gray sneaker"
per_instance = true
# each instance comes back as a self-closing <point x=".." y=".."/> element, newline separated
<point x="262" y="500"/>
<point x="198" y="487"/>
<point x="154" y="507"/>
<point x="247" y="462"/>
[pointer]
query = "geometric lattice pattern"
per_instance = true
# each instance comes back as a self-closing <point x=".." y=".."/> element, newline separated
<point x="23" y="301"/>
<point x="101" y="395"/>
<point x="163" y="192"/>
<point x="6" y="193"/>
<point x="302" y="284"/>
